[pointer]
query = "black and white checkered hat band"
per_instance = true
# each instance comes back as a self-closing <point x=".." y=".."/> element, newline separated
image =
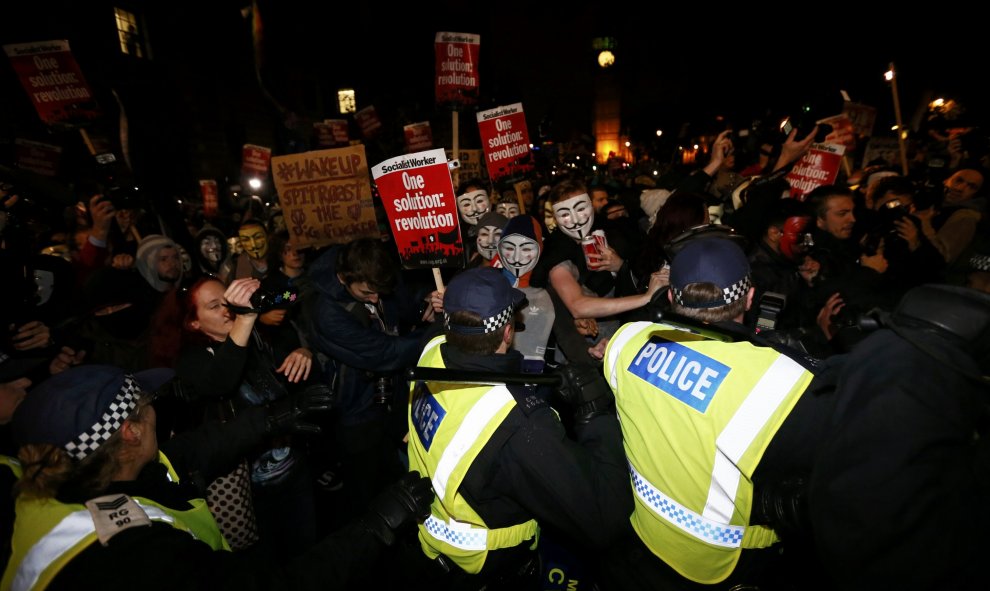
<point x="980" y="262"/>
<point x="730" y="294"/>
<point x="122" y="406"/>
<point x="488" y="325"/>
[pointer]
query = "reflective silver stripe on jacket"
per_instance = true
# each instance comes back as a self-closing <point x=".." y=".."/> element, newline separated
<point x="467" y="434"/>
<point x="62" y="538"/>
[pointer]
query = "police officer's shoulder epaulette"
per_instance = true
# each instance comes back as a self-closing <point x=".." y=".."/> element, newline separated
<point x="527" y="397"/>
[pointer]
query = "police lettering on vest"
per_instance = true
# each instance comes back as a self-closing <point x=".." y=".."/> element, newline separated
<point x="427" y="414"/>
<point x="683" y="373"/>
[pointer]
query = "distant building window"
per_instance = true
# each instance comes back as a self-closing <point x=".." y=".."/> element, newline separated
<point x="129" y="33"/>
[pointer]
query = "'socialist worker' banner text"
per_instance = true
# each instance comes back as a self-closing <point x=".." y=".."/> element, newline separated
<point x="505" y="139"/>
<point x="422" y="209"/>
<point x="325" y="196"/>
<point x="457" y="69"/>
<point x="53" y="81"/>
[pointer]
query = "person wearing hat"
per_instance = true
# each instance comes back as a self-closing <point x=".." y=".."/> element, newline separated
<point x="716" y="432"/>
<point x="102" y="505"/>
<point x="498" y="456"/>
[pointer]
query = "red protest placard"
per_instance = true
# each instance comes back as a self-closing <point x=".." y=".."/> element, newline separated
<point x="505" y="140"/>
<point x="367" y="119"/>
<point x="38" y="157"/>
<point x="457" y="69"/>
<point x="53" y="81"/>
<point x="338" y="129"/>
<point x="820" y="166"/>
<point x="324" y="135"/>
<point x="325" y="196"/>
<point x="255" y="160"/>
<point x="418" y="136"/>
<point x="419" y="199"/>
<point x="211" y="203"/>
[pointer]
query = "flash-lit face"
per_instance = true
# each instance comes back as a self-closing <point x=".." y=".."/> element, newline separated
<point x="209" y="247"/>
<point x="575" y="215"/>
<point x="488" y="241"/>
<point x="472" y="205"/>
<point x="509" y="210"/>
<point x="254" y="241"/>
<point x="518" y="253"/>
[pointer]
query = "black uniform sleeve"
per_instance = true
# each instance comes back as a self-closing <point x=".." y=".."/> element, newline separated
<point x="581" y="488"/>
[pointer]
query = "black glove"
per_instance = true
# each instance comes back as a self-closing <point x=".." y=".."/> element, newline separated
<point x="407" y="500"/>
<point x="783" y="506"/>
<point x="584" y="387"/>
<point x="284" y="415"/>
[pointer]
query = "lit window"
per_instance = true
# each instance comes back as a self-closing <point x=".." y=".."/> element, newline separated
<point x="346" y="100"/>
<point x="129" y="33"/>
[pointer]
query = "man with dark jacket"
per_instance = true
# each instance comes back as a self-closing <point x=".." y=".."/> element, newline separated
<point x="898" y="490"/>
<point x="353" y="320"/>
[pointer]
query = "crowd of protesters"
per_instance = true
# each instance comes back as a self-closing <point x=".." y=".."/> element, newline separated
<point x="295" y="357"/>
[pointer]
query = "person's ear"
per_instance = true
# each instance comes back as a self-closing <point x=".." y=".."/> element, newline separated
<point x="670" y="296"/>
<point x="749" y="298"/>
<point x="774" y="234"/>
<point x="507" y="333"/>
<point x="131" y="432"/>
<point x="820" y="222"/>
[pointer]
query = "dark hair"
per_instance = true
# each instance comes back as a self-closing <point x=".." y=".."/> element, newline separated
<point x="566" y="189"/>
<point x="472" y="183"/>
<point x="784" y="210"/>
<point x="681" y="211"/>
<point x="897" y="185"/>
<point x="473" y="344"/>
<point x="705" y="292"/>
<point x="817" y="200"/>
<point x="367" y="259"/>
<point x="276" y="243"/>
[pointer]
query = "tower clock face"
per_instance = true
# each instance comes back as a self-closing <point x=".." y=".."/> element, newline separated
<point x="606" y="58"/>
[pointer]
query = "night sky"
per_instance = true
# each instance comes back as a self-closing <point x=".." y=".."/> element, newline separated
<point x="689" y="67"/>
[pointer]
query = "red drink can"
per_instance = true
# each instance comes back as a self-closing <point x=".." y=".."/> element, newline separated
<point x="590" y="247"/>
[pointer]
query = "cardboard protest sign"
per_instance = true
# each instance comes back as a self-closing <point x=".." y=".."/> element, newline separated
<point x="470" y="161"/>
<point x="882" y="148"/>
<point x="53" y="81"/>
<point x="255" y="160"/>
<point x="367" y="119"/>
<point x="38" y="157"/>
<point x="505" y="140"/>
<point x="863" y="117"/>
<point x="820" y="166"/>
<point x="325" y="196"/>
<point x="422" y="209"/>
<point x="843" y="131"/>
<point x="418" y="136"/>
<point x="457" y="69"/>
<point x="211" y="201"/>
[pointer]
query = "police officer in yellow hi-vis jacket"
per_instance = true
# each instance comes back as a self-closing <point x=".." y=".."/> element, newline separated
<point x="501" y="463"/>
<point x="715" y="432"/>
<point x="100" y="506"/>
